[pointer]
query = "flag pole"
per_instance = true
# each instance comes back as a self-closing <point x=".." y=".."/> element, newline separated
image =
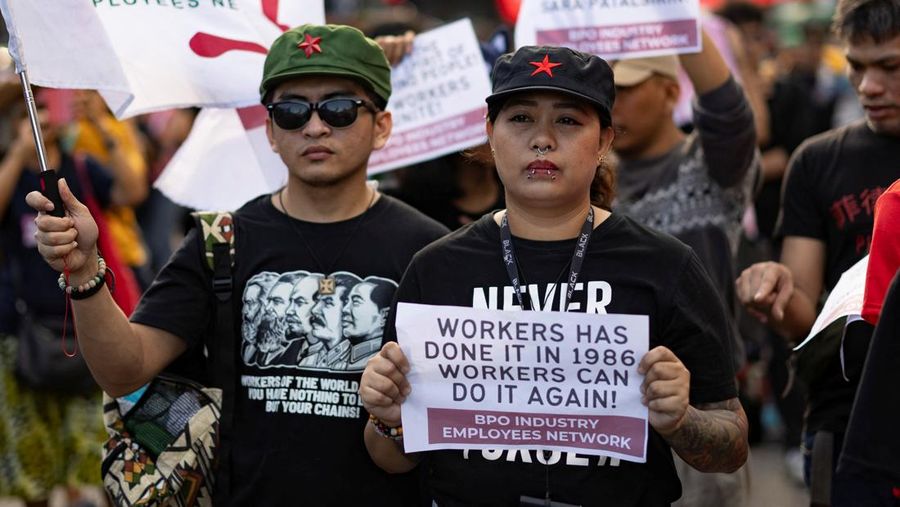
<point x="15" y="51"/>
<point x="48" y="177"/>
<point x="33" y="118"/>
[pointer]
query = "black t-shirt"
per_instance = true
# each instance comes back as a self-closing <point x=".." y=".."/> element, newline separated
<point x="298" y="420"/>
<point x="832" y="184"/>
<point x="791" y="121"/>
<point x="871" y="448"/>
<point x="627" y="269"/>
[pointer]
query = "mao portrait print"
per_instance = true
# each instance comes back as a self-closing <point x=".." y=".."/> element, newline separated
<point x="289" y="321"/>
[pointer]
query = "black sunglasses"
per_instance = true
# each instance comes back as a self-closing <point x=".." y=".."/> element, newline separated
<point x="294" y="114"/>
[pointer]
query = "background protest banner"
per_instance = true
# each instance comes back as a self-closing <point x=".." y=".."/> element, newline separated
<point x="438" y="98"/>
<point x="484" y="379"/>
<point x="613" y="29"/>
<point x="147" y="56"/>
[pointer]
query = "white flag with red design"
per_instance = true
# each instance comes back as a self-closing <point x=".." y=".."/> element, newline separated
<point x="225" y="161"/>
<point x="147" y="56"/>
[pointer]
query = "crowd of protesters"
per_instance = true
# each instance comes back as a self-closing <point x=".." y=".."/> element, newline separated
<point x="766" y="154"/>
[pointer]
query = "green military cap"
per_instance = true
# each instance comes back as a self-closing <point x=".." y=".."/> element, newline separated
<point x="333" y="50"/>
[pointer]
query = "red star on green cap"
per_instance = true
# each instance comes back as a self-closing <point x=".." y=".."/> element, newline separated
<point x="544" y="66"/>
<point x="310" y="45"/>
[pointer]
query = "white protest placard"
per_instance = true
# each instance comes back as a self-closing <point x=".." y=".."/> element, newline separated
<point x="490" y="379"/>
<point x="437" y="101"/>
<point x="613" y="29"/>
<point x="845" y="299"/>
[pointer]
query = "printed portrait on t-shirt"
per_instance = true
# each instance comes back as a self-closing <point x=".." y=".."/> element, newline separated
<point x="364" y="316"/>
<point x="314" y="321"/>
<point x="298" y="312"/>
<point x="252" y="303"/>
<point x="271" y="338"/>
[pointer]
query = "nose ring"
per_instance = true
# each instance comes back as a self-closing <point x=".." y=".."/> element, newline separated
<point x="541" y="151"/>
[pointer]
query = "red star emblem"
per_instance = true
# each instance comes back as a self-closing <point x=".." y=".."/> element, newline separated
<point x="310" y="45"/>
<point x="544" y="66"/>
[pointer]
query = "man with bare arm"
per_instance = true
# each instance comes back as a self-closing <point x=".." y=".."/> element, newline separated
<point x="325" y="88"/>
<point x="828" y="198"/>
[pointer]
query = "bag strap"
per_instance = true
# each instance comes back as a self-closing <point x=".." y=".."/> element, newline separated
<point x="217" y="229"/>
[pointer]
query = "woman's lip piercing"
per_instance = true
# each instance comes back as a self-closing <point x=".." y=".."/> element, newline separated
<point x="532" y="172"/>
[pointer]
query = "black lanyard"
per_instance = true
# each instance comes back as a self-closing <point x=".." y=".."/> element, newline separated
<point x="512" y="265"/>
<point x="512" y="269"/>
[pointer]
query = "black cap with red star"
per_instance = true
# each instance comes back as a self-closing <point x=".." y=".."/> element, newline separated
<point x="559" y="69"/>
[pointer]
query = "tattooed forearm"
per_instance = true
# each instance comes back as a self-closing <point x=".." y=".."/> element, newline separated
<point x="712" y="437"/>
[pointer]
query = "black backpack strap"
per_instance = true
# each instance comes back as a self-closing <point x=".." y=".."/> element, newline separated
<point x="217" y="229"/>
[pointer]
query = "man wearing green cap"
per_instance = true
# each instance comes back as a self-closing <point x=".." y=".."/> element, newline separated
<point x="298" y="252"/>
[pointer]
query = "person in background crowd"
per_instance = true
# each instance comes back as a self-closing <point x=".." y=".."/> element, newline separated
<point x="695" y="187"/>
<point x="49" y="435"/>
<point x="872" y="445"/>
<point x="115" y="144"/>
<point x="736" y="56"/>
<point x="808" y="58"/>
<point x="791" y="118"/>
<point x="829" y="196"/>
<point x="160" y="218"/>
<point x="884" y="253"/>
<point x="455" y="190"/>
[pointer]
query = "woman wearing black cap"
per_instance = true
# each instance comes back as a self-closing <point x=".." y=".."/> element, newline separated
<point x="549" y="129"/>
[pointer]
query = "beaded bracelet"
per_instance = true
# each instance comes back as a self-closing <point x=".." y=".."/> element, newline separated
<point x="385" y="430"/>
<point x="88" y="288"/>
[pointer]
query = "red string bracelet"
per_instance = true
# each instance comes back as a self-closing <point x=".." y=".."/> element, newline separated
<point x="65" y="274"/>
<point x="83" y="291"/>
